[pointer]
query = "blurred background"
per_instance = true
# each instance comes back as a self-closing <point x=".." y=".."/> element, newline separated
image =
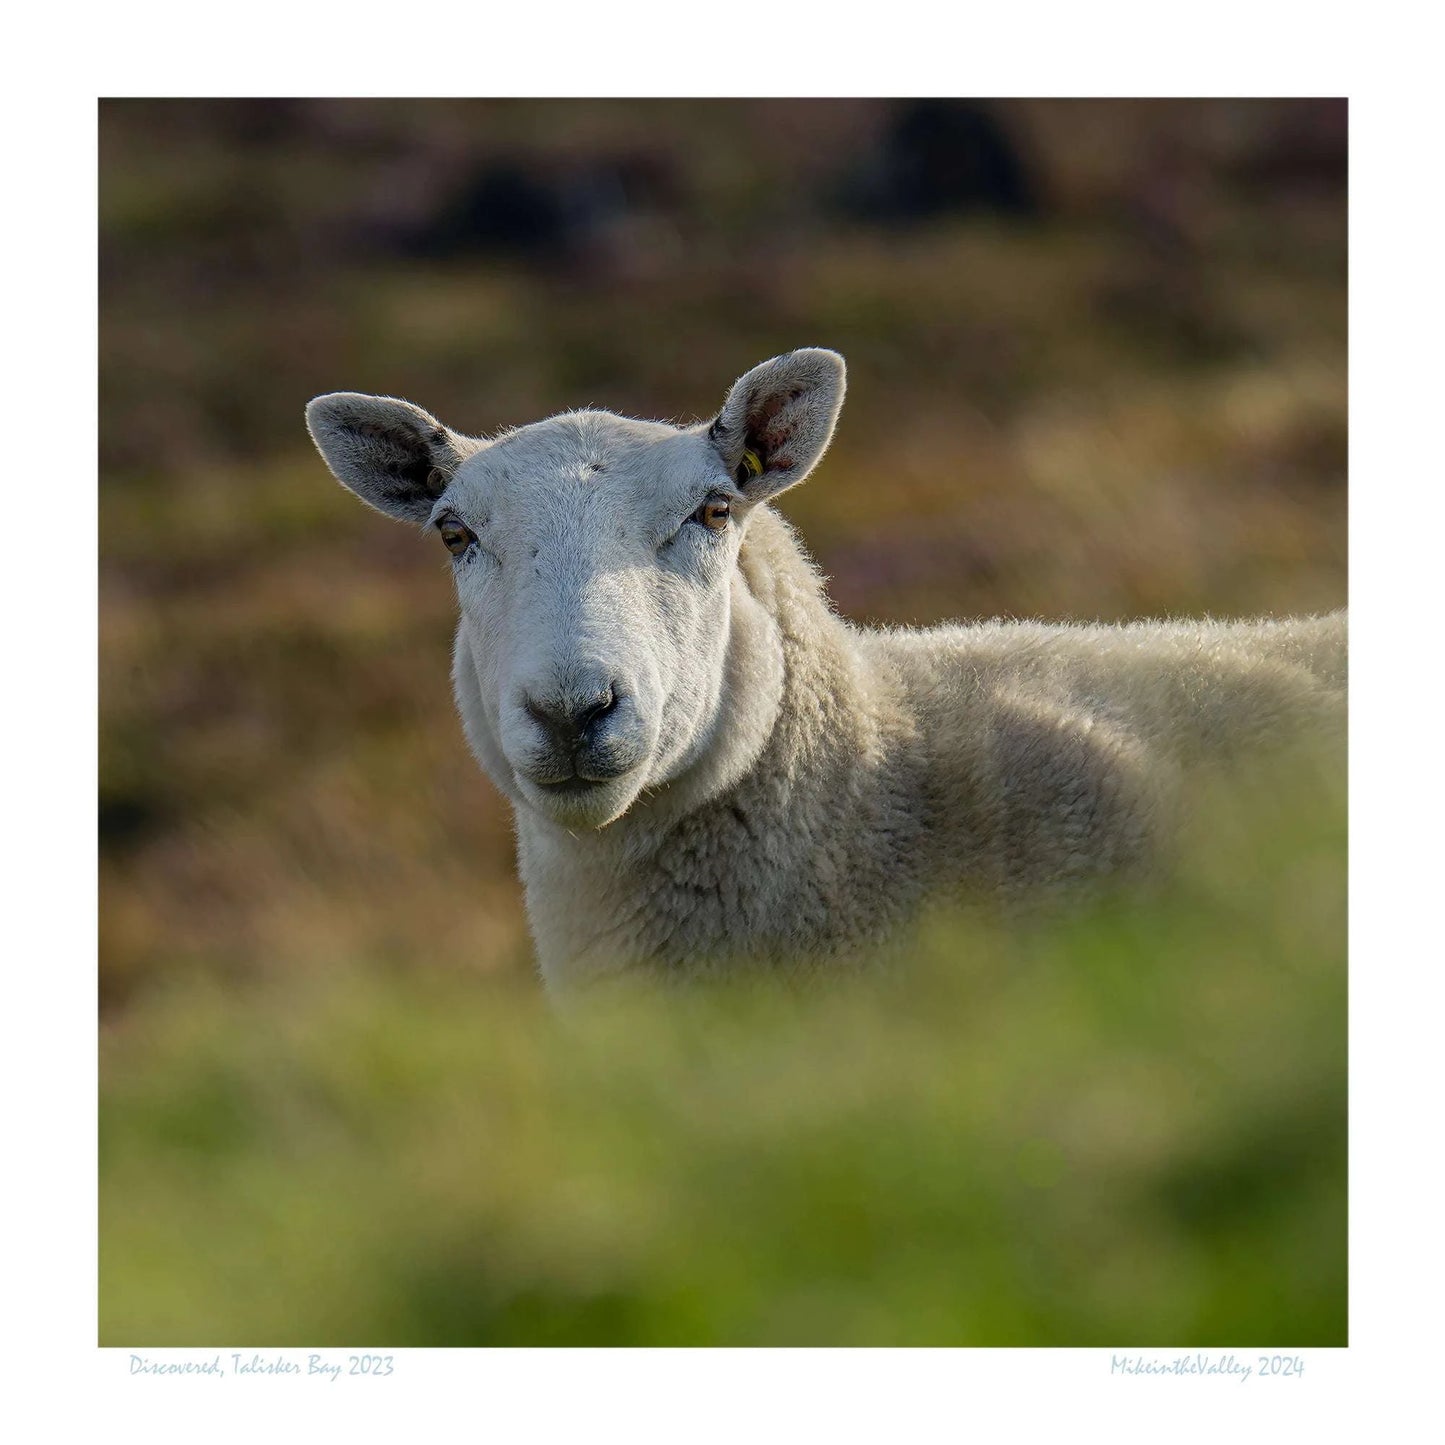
<point x="1097" y="356"/>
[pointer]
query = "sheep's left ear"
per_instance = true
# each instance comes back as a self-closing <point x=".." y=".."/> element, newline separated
<point x="778" y="419"/>
<point x="392" y="454"/>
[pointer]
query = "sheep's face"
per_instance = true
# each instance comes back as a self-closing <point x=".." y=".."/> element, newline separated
<point x="592" y="572"/>
<point x="594" y="559"/>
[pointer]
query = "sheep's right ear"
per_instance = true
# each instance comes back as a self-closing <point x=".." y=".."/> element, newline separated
<point x="393" y="455"/>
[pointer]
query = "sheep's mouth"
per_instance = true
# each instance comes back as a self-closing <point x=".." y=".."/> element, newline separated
<point x="584" y="772"/>
<point x="577" y="801"/>
<point x="574" y="786"/>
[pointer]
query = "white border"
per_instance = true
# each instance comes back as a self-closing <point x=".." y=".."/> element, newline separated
<point x="1381" y="58"/>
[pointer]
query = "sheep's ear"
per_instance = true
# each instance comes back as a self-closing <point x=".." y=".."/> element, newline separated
<point x="393" y="455"/>
<point x="778" y="419"/>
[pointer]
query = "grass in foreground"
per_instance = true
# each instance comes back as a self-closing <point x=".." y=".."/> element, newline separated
<point x="1124" y="1127"/>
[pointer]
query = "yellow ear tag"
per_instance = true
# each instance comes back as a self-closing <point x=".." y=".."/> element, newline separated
<point x="752" y="464"/>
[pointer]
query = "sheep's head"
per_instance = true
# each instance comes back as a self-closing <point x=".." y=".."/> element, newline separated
<point x="594" y="558"/>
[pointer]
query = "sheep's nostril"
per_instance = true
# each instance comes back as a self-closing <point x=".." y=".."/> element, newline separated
<point x="600" y="706"/>
<point x="544" y="713"/>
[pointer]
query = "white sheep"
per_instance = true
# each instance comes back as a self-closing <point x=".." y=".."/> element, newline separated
<point x="706" y="763"/>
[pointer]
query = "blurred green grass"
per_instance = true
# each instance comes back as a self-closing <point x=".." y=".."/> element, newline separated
<point x="1125" y="1126"/>
<point x="333" y="1105"/>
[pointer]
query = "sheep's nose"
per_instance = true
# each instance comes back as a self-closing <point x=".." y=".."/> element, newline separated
<point x="568" y="719"/>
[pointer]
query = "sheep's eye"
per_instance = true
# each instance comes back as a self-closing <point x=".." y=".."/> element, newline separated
<point x="713" y="514"/>
<point x="457" y="537"/>
<point x="751" y="466"/>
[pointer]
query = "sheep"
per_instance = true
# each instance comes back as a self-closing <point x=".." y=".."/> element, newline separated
<point x="708" y="766"/>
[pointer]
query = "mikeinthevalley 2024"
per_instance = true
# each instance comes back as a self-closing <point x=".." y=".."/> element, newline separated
<point x="241" y="1363"/>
